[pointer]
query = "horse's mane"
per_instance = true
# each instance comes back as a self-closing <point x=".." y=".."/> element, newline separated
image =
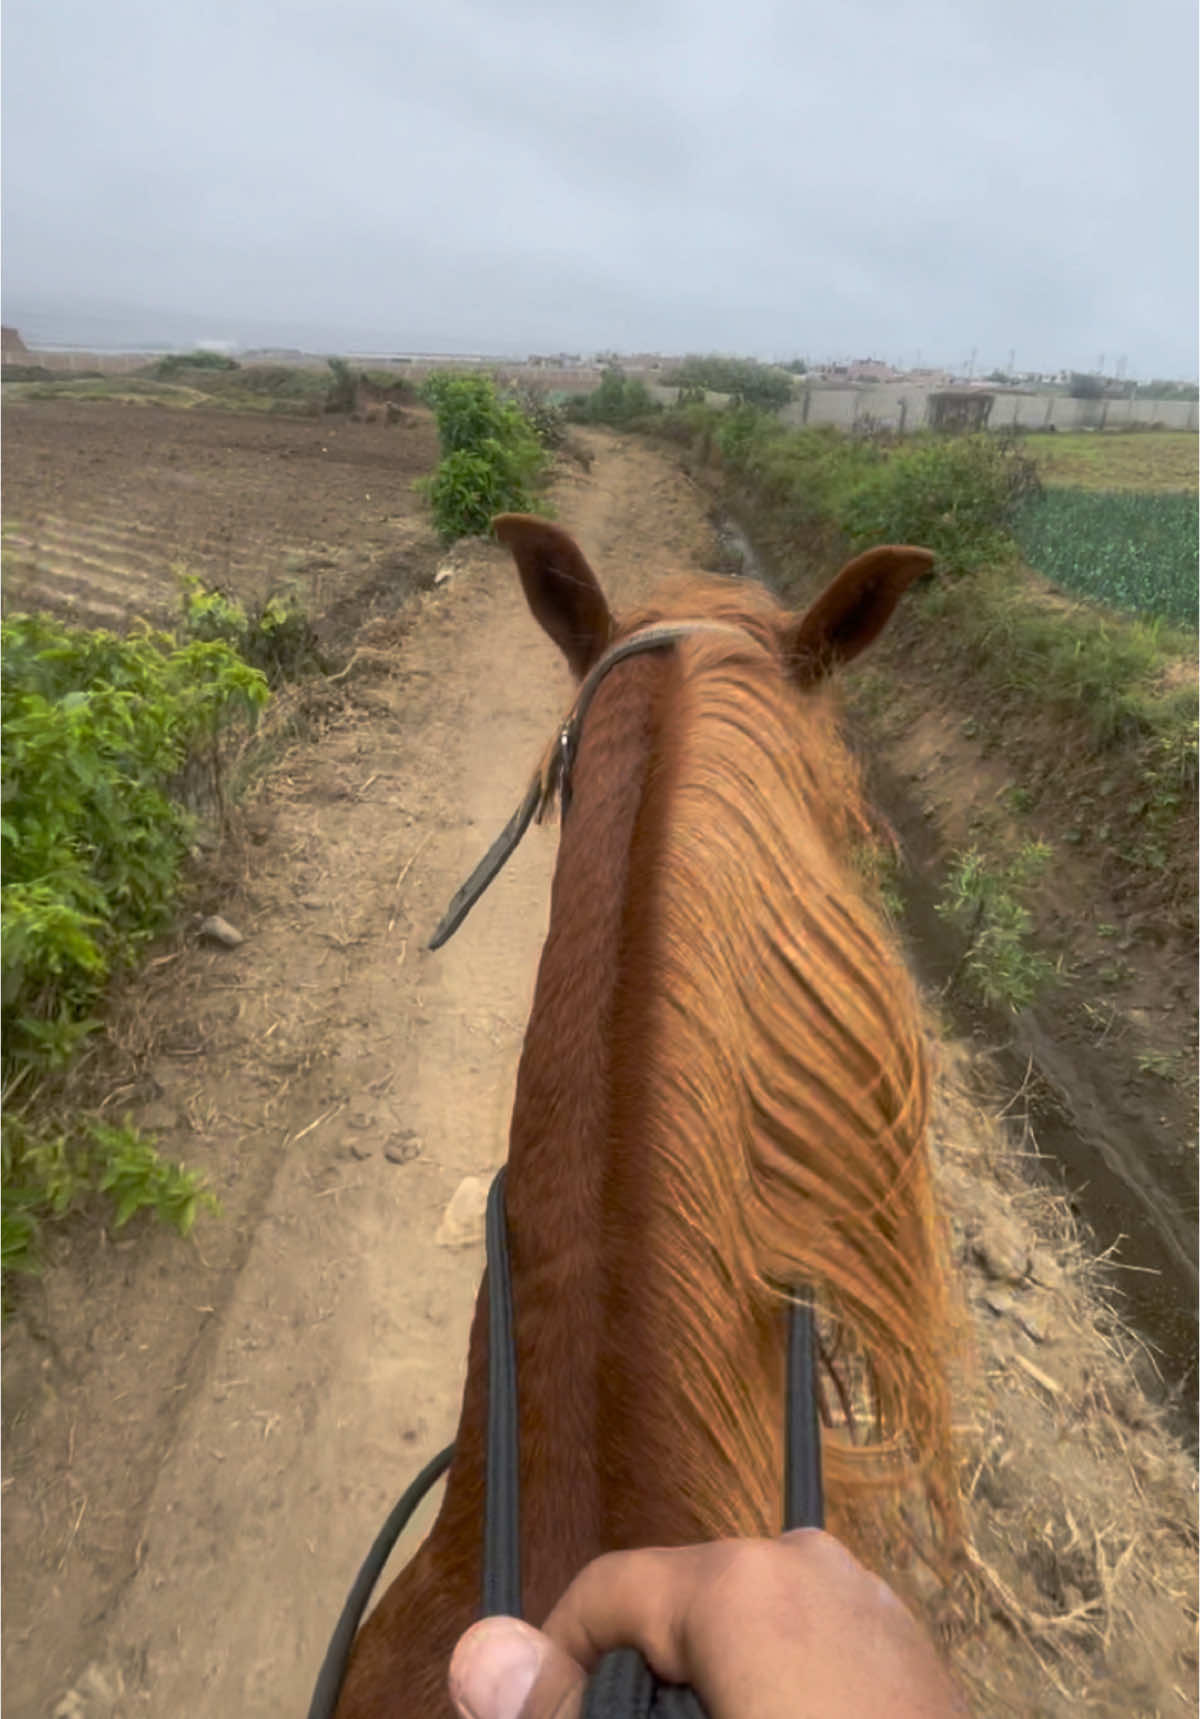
<point x="722" y="1093"/>
<point x="775" y="1070"/>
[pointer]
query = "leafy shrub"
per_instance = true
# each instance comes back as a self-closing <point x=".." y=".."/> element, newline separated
<point x="341" y="394"/>
<point x="1135" y="551"/>
<point x="169" y="367"/>
<point x="466" y="492"/>
<point x="95" y="730"/>
<point x="491" y="458"/>
<point x="743" y="435"/>
<point x="274" y="636"/>
<point x="956" y="497"/>
<point x="47" y="1173"/>
<point x="547" y="421"/>
<point x="749" y="382"/>
<point x="618" y="400"/>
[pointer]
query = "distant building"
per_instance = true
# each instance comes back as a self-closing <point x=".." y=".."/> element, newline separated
<point x="11" y="344"/>
<point x="871" y="370"/>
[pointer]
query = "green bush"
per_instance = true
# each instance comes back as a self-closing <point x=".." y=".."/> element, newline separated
<point x="955" y="496"/>
<point x="466" y="492"/>
<point x="274" y="636"/>
<point x="171" y="366"/>
<point x="341" y="394"/>
<point x="95" y="730"/>
<point x="491" y="459"/>
<point x="48" y="1172"/>
<point x="1133" y="550"/>
<point x="547" y="420"/>
<point x="619" y="400"/>
<point x="749" y="382"/>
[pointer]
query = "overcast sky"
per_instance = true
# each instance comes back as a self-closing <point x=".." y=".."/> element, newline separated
<point x="857" y="178"/>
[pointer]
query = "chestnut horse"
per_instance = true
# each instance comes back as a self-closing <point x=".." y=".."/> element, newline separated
<point x="722" y="1092"/>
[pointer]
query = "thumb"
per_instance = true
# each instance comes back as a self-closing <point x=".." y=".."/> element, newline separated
<point x="503" y="1669"/>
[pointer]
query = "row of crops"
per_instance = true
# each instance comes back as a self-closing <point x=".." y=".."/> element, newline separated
<point x="1133" y="550"/>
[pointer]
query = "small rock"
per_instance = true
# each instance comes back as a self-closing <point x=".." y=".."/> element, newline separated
<point x="999" y="1303"/>
<point x="462" y="1221"/>
<point x="402" y="1149"/>
<point x="219" y="930"/>
<point x="356" y="1151"/>
<point x="443" y="575"/>
<point x="1002" y="1250"/>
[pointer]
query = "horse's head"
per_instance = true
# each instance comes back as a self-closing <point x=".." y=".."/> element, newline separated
<point x="567" y="601"/>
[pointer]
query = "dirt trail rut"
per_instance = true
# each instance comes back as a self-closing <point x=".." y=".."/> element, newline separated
<point x="335" y="1366"/>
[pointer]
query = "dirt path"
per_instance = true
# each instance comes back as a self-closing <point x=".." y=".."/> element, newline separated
<point x="320" y="1363"/>
<point x="201" y="1441"/>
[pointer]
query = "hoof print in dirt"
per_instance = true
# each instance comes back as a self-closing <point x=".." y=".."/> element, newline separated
<point x="402" y="1149"/>
<point x="462" y="1221"/>
<point x="214" y="929"/>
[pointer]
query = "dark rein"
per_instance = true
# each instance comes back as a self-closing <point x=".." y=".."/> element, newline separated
<point x="622" y="1686"/>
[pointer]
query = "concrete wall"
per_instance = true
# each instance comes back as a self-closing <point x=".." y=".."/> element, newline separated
<point x="110" y="363"/>
<point x="902" y="405"/>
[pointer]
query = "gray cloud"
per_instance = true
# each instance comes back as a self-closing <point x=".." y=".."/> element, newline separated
<point x="774" y="178"/>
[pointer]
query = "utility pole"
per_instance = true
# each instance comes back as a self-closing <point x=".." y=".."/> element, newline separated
<point x="1012" y="363"/>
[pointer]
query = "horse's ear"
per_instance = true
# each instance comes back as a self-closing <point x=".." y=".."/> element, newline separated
<point x="560" y="588"/>
<point x="852" y="611"/>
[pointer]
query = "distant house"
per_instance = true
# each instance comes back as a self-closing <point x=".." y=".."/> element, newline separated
<point x="871" y="370"/>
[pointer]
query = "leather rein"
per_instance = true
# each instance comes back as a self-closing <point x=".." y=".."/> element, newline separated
<point x="622" y="1684"/>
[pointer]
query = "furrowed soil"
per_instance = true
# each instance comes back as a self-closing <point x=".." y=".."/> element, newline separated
<point x="201" y="1439"/>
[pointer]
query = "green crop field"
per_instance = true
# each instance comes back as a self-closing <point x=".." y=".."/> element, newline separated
<point x="1133" y="550"/>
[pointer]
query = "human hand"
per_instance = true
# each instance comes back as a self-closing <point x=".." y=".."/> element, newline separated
<point x="792" y="1628"/>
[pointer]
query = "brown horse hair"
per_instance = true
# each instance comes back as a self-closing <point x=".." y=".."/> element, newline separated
<point x="723" y="1091"/>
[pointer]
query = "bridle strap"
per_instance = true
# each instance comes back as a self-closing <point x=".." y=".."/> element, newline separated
<point x="803" y="1491"/>
<point x="502" y="1497"/>
<point x="555" y="773"/>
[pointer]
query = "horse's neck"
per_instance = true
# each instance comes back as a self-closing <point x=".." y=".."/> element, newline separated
<point x="559" y="1181"/>
<point x="612" y="1454"/>
<point x="608" y="1457"/>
